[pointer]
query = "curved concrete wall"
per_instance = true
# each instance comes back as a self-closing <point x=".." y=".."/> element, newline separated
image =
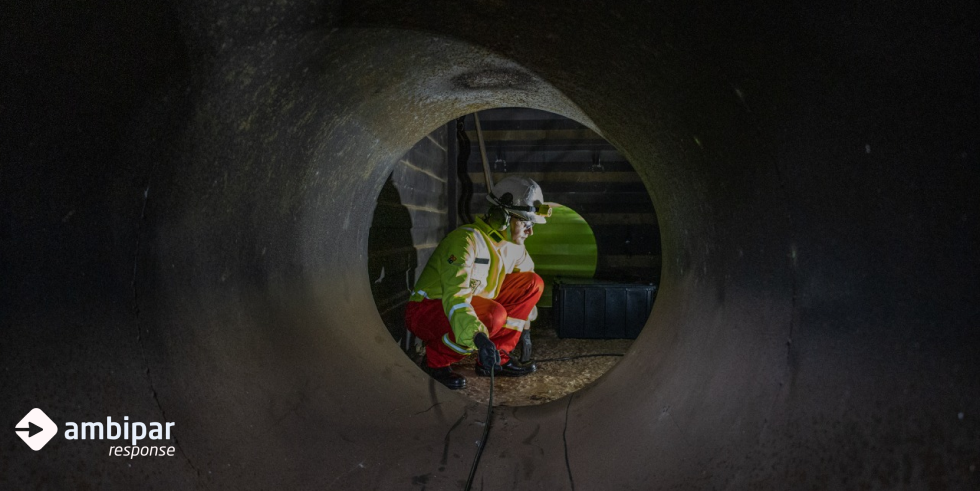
<point x="187" y="196"/>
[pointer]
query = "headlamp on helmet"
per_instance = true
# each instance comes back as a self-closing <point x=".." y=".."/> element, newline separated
<point x="521" y="198"/>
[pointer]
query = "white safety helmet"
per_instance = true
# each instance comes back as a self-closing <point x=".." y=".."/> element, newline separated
<point x="520" y="197"/>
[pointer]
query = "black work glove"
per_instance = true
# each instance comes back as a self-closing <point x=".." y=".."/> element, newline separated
<point x="488" y="355"/>
<point x="525" y="346"/>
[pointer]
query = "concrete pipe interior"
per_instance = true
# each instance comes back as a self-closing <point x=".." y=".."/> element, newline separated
<point x="189" y="244"/>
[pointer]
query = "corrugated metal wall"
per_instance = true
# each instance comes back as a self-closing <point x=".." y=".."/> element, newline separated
<point x="410" y="219"/>
<point x="578" y="168"/>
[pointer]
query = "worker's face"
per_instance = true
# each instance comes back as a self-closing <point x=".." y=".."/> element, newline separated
<point x="520" y="230"/>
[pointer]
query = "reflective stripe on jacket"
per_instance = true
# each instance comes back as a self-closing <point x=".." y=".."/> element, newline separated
<point x="471" y="260"/>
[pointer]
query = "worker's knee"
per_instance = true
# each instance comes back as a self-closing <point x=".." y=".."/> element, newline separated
<point x="534" y="285"/>
<point x="499" y="316"/>
<point x="537" y="284"/>
<point x="494" y="317"/>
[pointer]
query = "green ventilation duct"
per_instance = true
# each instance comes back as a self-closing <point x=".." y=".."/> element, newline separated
<point x="565" y="246"/>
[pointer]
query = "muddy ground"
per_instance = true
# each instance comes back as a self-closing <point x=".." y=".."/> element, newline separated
<point x="554" y="379"/>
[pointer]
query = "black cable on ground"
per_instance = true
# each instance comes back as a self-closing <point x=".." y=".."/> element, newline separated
<point x="486" y="426"/>
<point x="483" y="442"/>
<point x="566" y="358"/>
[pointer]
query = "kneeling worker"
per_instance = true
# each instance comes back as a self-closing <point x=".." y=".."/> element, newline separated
<point x="479" y="287"/>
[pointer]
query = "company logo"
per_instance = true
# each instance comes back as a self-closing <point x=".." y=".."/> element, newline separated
<point x="36" y="429"/>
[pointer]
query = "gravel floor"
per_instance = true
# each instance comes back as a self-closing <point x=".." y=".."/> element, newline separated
<point x="553" y="379"/>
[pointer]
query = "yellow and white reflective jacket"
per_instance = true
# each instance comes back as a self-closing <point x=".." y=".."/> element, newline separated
<point x="471" y="260"/>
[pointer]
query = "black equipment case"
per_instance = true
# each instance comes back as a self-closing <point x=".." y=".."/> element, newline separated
<point x="594" y="309"/>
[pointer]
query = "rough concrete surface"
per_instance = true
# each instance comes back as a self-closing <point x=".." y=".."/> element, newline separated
<point x="186" y="191"/>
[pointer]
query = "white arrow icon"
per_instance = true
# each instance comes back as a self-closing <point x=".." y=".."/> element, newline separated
<point x="36" y="429"/>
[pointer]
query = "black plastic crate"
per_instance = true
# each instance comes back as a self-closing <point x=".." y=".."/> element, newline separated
<point x="593" y="309"/>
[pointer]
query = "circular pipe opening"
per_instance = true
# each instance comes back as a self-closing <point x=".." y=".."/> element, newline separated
<point x="299" y="299"/>
<point x="440" y="184"/>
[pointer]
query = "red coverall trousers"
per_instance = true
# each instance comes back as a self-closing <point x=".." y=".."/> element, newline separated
<point x="518" y="294"/>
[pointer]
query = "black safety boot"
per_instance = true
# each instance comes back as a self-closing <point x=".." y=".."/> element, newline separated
<point x="446" y="376"/>
<point x="509" y="369"/>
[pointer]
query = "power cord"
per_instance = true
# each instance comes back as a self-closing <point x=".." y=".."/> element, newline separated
<point x="486" y="426"/>
<point x="566" y="358"/>
<point x="483" y="441"/>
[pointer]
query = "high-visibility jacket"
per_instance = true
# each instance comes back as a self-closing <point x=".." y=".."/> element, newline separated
<point x="471" y="260"/>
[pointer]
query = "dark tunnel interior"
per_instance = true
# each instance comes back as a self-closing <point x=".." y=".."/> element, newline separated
<point x="187" y="188"/>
